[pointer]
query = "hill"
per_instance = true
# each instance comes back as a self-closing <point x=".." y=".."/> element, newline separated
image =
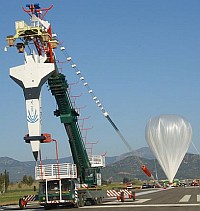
<point x="130" y="167"/>
<point x="117" y="167"/>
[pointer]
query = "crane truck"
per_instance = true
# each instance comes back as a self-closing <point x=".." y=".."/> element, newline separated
<point x="74" y="184"/>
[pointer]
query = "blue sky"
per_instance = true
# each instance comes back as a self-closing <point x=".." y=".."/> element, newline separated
<point x="141" y="58"/>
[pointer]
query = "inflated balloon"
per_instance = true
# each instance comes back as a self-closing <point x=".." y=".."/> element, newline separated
<point x="169" y="137"/>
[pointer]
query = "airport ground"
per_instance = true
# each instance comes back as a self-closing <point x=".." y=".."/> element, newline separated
<point x="175" y="199"/>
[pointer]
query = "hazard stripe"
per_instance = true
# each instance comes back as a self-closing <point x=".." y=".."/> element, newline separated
<point x="29" y="198"/>
<point x="112" y="193"/>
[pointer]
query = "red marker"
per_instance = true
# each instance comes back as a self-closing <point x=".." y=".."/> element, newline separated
<point x="146" y="171"/>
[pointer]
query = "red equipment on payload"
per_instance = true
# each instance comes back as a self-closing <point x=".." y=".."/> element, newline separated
<point x="149" y="174"/>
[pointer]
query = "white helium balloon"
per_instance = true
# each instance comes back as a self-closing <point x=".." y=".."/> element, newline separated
<point x="169" y="137"/>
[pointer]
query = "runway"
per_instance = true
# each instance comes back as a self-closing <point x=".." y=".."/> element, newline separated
<point x="175" y="199"/>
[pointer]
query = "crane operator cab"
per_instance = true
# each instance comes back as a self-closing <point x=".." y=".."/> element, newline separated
<point x="54" y="192"/>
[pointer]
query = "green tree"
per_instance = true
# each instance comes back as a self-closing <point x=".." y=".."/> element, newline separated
<point x="1" y="182"/>
<point x="19" y="185"/>
<point x="30" y="180"/>
<point x="25" y="179"/>
<point x="4" y="181"/>
<point x="125" y="180"/>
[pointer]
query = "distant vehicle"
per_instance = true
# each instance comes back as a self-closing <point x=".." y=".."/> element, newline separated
<point x="144" y="186"/>
<point x="175" y="183"/>
<point x="182" y="184"/>
<point x="194" y="183"/>
<point x="129" y="186"/>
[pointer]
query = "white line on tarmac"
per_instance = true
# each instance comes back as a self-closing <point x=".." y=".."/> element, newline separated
<point x="198" y="198"/>
<point x="151" y="191"/>
<point x="144" y="205"/>
<point x="137" y="201"/>
<point x="185" y="198"/>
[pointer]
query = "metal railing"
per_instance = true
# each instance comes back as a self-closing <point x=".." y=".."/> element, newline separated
<point x="55" y="171"/>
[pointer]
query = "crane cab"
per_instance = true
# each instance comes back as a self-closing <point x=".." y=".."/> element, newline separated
<point x="58" y="192"/>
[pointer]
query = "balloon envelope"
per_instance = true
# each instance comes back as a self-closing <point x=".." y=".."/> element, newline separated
<point x="169" y="137"/>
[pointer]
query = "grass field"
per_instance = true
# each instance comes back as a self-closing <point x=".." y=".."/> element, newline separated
<point x="15" y="192"/>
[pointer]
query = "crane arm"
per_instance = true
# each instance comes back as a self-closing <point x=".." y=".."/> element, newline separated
<point x="68" y="116"/>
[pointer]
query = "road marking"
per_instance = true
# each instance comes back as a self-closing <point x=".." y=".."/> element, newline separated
<point x="137" y="201"/>
<point x="141" y="205"/>
<point x="14" y="207"/>
<point x="140" y="201"/>
<point x="149" y="191"/>
<point x="198" y="198"/>
<point x="185" y="198"/>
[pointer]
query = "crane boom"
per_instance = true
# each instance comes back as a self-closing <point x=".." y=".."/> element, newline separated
<point x="68" y="116"/>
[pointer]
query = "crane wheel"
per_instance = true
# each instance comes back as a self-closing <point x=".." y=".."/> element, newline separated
<point x="122" y="196"/>
<point x="81" y="200"/>
<point x="22" y="203"/>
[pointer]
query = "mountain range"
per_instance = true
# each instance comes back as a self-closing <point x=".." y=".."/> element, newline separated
<point x="117" y="167"/>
